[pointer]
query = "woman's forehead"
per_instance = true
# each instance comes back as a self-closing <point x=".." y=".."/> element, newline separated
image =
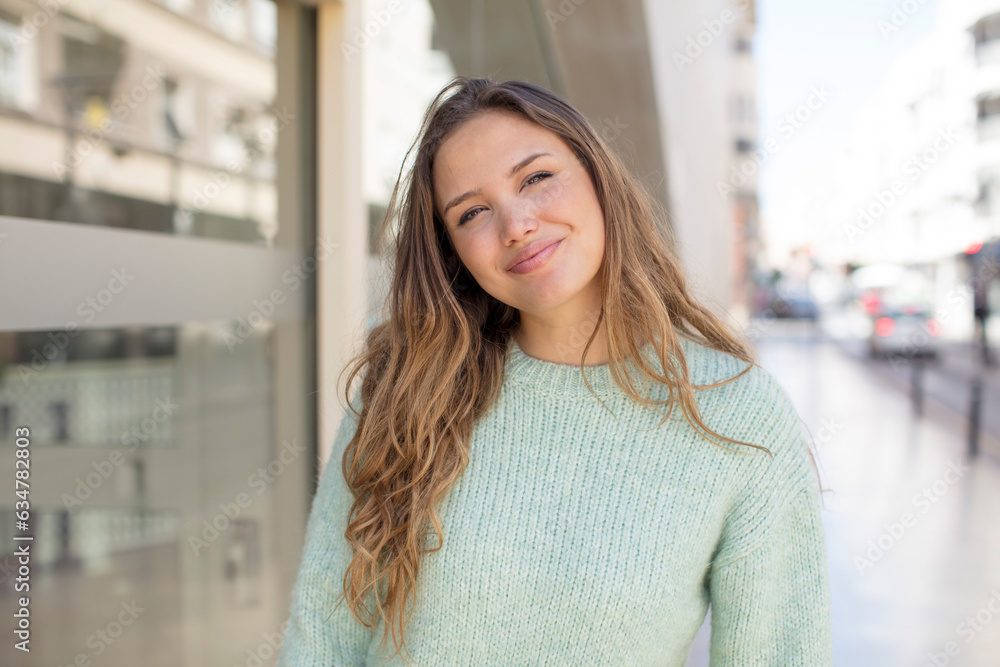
<point x="493" y="145"/>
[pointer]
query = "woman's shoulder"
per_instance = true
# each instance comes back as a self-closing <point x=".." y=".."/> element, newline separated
<point x="707" y="365"/>
<point x="754" y="404"/>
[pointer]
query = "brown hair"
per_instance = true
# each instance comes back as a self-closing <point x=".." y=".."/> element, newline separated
<point x="436" y="363"/>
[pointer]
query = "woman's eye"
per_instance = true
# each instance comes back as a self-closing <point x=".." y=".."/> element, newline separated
<point x="468" y="215"/>
<point x="542" y="174"/>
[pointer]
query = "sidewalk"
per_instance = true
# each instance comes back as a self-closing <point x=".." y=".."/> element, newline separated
<point x="946" y="382"/>
<point x="910" y="519"/>
<point x="947" y="392"/>
<point x="966" y="358"/>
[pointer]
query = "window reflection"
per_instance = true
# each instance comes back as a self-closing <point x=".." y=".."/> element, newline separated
<point x="103" y="388"/>
<point x="168" y="125"/>
<point x="153" y="462"/>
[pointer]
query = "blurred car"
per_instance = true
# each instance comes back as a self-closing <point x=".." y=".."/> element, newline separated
<point x="896" y="299"/>
<point x="908" y="332"/>
<point x="795" y="306"/>
<point x="790" y="300"/>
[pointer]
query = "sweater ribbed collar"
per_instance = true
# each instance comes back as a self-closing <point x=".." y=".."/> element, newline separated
<point x="562" y="379"/>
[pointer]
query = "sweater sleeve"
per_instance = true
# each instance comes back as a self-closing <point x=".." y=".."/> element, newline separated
<point x="321" y="630"/>
<point x="768" y="583"/>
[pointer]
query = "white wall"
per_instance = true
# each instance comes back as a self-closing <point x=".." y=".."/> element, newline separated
<point x="693" y="100"/>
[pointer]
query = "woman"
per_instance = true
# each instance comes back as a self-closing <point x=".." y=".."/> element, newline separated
<point x="507" y="495"/>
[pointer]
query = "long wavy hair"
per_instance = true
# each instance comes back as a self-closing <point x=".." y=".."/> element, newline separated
<point x="436" y="361"/>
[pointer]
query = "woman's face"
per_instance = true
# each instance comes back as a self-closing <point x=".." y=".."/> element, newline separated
<point x="505" y="186"/>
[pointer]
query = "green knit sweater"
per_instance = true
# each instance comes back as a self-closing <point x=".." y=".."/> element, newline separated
<point x="575" y="537"/>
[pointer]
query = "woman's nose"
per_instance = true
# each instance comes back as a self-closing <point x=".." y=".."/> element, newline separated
<point x="517" y="219"/>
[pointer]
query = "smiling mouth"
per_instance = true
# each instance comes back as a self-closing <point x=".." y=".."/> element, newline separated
<point x="537" y="260"/>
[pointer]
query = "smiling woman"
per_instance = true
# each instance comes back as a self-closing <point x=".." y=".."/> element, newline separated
<point x="485" y="504"/>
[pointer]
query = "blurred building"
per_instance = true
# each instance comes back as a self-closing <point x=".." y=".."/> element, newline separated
<point x="748" y="155"/>
<point x="911" y="185"/>
<point x="704" y="80"/>
<point x="982" y="18"/>
<point x="119" y="113"/>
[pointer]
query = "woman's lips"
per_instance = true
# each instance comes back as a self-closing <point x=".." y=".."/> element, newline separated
<point x="537" y="260"/>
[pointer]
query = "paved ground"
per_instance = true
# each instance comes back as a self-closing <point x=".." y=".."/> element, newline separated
<point x="948" y="380"/>
<point x="913" y="524"/>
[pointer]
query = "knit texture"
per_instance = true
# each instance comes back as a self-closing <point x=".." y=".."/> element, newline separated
<point x="578" y="537"/>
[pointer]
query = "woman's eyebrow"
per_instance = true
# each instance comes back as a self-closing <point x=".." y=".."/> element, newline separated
<point x="510" y="174"/>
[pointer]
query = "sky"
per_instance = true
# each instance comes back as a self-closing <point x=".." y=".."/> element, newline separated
<point x="838" y="45"/>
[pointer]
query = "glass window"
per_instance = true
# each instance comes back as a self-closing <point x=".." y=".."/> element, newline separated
<point x="987" y="107"/>
<point x="153" y="454"/>
<point x="159" y="126"/>
<point x="18" y="77"/>
<point x="987" y="29"/>
<point x="179" y="6"/>
<point x="162" y="442"/>
<point x="229" y="17"/>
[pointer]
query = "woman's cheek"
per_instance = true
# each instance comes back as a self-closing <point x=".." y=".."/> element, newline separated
<point x="557" y="194"/>
<point x="482" y="254"/>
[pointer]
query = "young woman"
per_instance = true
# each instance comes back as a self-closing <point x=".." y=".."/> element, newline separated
<point x="510" y="489"/>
